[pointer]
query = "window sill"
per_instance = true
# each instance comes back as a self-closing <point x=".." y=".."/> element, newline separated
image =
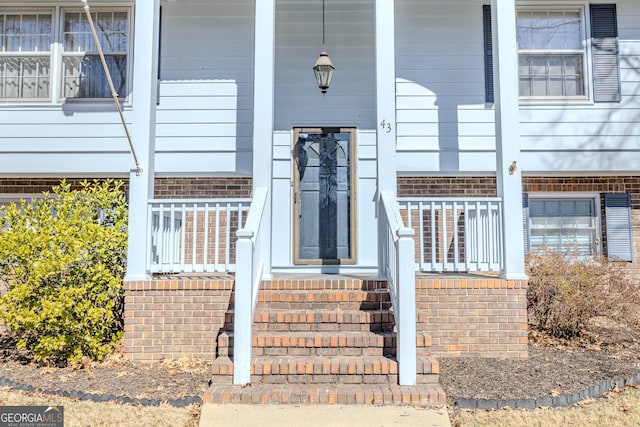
<point x="543" y="102"/>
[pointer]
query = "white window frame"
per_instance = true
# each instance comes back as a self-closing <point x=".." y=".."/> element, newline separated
<point x="581" y="8"/>
<point x="33" y="54"/>
<point x="62" y="54"/>
<point x="57" y="54"/>
<point x="593" y="197"/>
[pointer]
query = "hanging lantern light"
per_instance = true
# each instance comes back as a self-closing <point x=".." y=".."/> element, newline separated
<point x="323" y="68"/>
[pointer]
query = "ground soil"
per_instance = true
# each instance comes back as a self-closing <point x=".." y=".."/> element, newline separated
<point x="553" y="367"/>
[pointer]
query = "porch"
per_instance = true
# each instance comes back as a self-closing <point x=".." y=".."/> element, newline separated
<point x="210" y="285"/>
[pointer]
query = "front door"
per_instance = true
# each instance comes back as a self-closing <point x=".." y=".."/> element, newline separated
<point x="324" y="196"/>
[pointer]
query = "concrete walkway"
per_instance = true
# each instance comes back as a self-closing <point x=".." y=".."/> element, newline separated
<point x="320" y="416"/>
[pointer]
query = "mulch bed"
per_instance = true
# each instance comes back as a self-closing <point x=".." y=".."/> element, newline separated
<point x="554" y="367"/>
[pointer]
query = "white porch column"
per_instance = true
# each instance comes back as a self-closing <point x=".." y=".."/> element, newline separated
<point x="385" y="105"/>
<point x="508" y="168"/>
<point x="263" y="116"/>
<point x="386" y="95"/>
<point x="143" y="132"/>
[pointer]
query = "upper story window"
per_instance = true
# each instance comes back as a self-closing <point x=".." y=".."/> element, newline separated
<point x="25" y="55"/>
<point x="554" y="55"/>
<point x="551" y="53"/>
<point x="33" y="69"/>
<point x="82" y="71"/>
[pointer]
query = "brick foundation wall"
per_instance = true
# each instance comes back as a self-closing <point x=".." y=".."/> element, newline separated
<point x="473" y="317"/>
<point x="175" y="319"/>
<point x="40" y="185"/>
<point x="201" y="188"/>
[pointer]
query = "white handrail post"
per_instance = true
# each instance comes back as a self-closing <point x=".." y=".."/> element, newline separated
<point x="243" y="311"/>
<point x="406" y="321"/>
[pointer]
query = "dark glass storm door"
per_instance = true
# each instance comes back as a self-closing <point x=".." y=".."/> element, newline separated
<point x="323" y="196"/>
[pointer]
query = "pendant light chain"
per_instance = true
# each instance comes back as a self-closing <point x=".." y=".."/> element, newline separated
<point x="322" y="24"/>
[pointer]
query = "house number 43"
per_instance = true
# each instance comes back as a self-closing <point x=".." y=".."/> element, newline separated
<point x="385" y="126"/>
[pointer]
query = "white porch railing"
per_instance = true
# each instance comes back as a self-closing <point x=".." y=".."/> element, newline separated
<point x="194" y="235"/>
<point x="456" y="234"/>
<point x="396" y="265"/>
<point x="248" y="279"/>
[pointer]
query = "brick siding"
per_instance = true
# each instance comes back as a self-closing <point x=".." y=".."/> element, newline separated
<point x="199" y="188"/>
<point x="40" y="185"/>
<point x="174" y="319"/>
<point x="472" y="316"/>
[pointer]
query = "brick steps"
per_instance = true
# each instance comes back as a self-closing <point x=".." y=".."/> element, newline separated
<point x="326" y="370"/>
<point x="325" y="299"/>
<point x="323" y="341"/>
<point x="339" y="394"/>
<point x="323" y="320"/>
<point x="341" y="343"/>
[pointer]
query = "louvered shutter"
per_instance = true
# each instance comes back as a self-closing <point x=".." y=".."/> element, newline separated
<point x="618" y="222"/>
<point x="604" y="38"/>
<point x="488" y="53"/>
<point x="525" y="223"/>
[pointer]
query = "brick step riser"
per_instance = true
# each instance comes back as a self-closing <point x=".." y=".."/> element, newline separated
<point x="324" y="379"/>
<point x="334" y="317"/>
<point x="323" y="327"/>
<point x="345" y="306"/>
<point x="314" y="351"/>
<point x="424" y="396"/>
<point x="312" y="379"/>
<point x="317" y="317"/>
<point x="324" y="296"/>
<point x="324" y="285"/>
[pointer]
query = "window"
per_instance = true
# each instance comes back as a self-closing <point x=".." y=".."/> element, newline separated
<point x="25" y="55"/>
<point x="83" y="74"/>
<point x="36" y="60"/>
<point x="564" y="224"/>
<point x="551" y="53"/>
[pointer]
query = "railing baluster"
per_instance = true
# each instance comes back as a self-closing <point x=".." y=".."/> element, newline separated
<point x="227" y="246"/>
<point x="205" y="260"/>
<point x="217" y="249"/>
<point x="421" y="236"/>
<point x="454" y="221"/>
<point x="160" y="241"/>
<point x="172" y="237"/>
<point x="150" y="258"/>
<point x="445" y="241"/>
<point x="433" y="236"/>
<point x="183" y="238"/>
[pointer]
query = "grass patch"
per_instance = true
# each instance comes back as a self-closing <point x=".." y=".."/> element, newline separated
<point x="618" y="409"/>
<point x="81" y="414"/>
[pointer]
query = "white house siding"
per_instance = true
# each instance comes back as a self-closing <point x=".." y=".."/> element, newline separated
<point x="205" y="114"/>
<point x="62" y="141"/>
<point x="444" y="125"/>
<point x="349" y="102"/>
<point x="442" y="121"/>
<point x="349" y="41"/>
<point x="590" y="137"/>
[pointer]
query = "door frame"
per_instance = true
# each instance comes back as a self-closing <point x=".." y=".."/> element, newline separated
<point x="295" y="197"/>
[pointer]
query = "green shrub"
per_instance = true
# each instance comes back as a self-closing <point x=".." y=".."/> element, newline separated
<point x="63" y="258"/>
<point x="566" y="291"/>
